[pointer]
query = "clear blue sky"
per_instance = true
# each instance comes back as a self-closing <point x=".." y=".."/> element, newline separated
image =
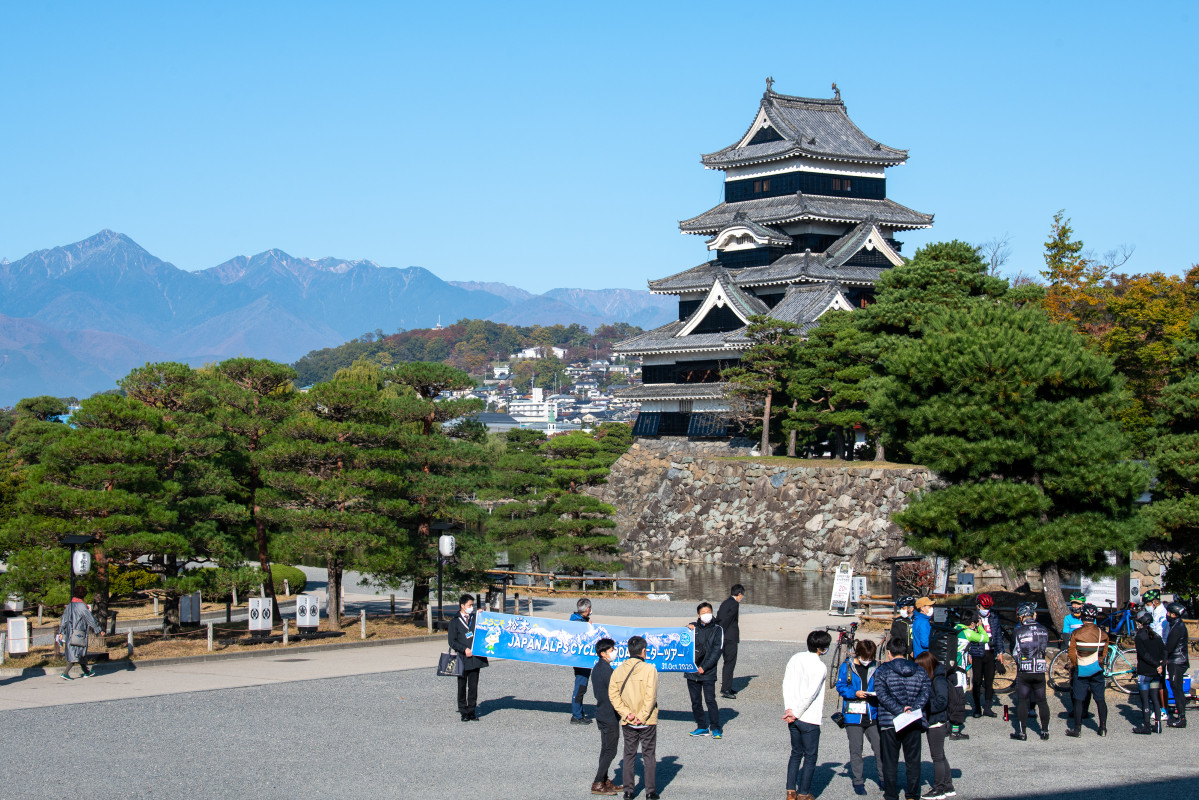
<point x="557" y="144"/>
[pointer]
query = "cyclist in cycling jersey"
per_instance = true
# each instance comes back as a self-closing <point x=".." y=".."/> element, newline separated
<point x="984" y="657"/>
<point x="969" y="630"/>
<point x="1030" y="640"/>
<point x="901" y="626"/>
<point x="1153" y="602"/>
<point x="1151" y="657"/>
<point x="1177" y="661"/>
<point x="1088" y="646"/>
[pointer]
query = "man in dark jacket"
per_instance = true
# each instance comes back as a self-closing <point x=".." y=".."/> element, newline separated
<point x="901" y="625"/>
<point x="709" y="641"/>
<point x="1177" y="661"/>
<point x="605" y="716"/>
<point x="728" y="617"/>
<point x="901" y="686"/>
<point x="462" y="637"/>
<point x="582" y="674"/>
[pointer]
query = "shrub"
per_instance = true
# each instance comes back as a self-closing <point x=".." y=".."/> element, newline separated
<point x="915" y="578"/>
<point x="124" y="581"/>
<point x="296" y="579"/>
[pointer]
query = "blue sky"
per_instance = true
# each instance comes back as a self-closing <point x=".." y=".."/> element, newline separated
<point x="549" y="145"/>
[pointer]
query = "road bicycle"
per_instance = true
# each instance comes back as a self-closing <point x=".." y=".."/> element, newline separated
<point x="843" y="650"/>
<point x="1119" y="667"/>
<point x="1120" y="624"/>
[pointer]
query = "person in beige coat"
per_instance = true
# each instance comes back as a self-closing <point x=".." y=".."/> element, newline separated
<point x="633" y="691"/>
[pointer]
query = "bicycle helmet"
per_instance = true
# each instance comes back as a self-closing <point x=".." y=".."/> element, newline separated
<point x="1151" y="595"/>
<point x="1176" y="609"/>
<point x="1078" y="597"/>
<point x="1145" y="618"/>
<point x="985" y="601"/>
<point x="905" y="601"/>
<point x="1026" y="610"/>
<point x="1089" y="613"/>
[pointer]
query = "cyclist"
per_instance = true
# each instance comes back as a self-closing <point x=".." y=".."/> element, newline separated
<point x="1069" y="624"/>
<point x="901" y="627"/>
<point x="984" y="656"/>
<point x="1177" y="661"/>
<point x="922" y="626"/>
<point x="1030" y="640"/>
<point x="1151" y="656"/>
<point x="969" y="630"/>
<point x="1088" y="643"/>
<point x="1153" y="602"/>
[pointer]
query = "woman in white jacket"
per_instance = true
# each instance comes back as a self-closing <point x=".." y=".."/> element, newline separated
<point x="803" y="699"/>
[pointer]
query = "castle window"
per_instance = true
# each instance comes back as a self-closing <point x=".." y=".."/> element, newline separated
<point x="757" y="187"/>
<point x="836" y="184"/>
<point x="848" y="185"/>
<point x="766" y="185"/>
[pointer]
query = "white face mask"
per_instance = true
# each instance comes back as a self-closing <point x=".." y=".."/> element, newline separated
<point x="927" y="611"/>
<point x="903" y="612"/>
<point x="705" y="618"/>
<point x="466" y="611"/>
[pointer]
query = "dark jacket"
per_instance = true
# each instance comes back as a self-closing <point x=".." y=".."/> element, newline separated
<point x="937" y="708"/>
<point x="709" y="641"/>
<point x="900" y="683"/>
<point x="1151" y="653"/>
<point x="728" y="618"/>
<point x="849" y="683"/>
<point x="601" y="677"/>
<point x="997" y="642"/>
<point x="1029" y="646"/>
<point x="901" y="628"/>
<point x="577" y="617"/>
<point x="1177" y="643"/>
<point x="461" y="637"/>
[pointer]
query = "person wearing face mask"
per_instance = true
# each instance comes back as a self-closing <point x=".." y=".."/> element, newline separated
<point x="462" y="637"/>
<point x="1177" y="661"/>
<point x="983" y="657"/>
<point x="1153" y="602"/>
<point x="605" y="716"/>
<point x="901" y="626"/>
<point x="922" y="626"/>
<point x="709" y="641"/>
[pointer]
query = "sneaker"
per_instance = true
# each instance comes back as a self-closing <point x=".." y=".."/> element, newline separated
<point x="959" y="736"/>
<point x="700" y="732"/>
<point x="859" y="789"/>
<point x="1143" y="729"/>
<point x="91" y="673"/>
<point x="729" y="695"/>
<point x="951" y="793"/>
<point x="1044" y="736"/>
<point x="989" y="713"/>
<point x="67" y="677"/>
<point x="1020" y="737"/>
<point x="932" y="795"/>
<point x="1073" y="733"/>
<point x="579" y="721"/>
<point x="717" y="733"/>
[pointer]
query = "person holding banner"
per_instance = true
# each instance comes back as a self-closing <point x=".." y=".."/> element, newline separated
<point x="701" y="683"/>
<point x="605" y="716"/>
<point x="462" y="636"/>
<point x="582" y="674"/>
<point x="633" y="691"/>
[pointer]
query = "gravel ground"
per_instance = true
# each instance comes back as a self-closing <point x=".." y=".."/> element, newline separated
<point x="396" y="735"/>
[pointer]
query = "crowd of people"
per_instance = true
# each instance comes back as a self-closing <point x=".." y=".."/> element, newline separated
<point x="915" y="690"/>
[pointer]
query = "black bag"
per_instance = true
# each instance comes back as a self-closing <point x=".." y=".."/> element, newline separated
<point x="449" y="665"/>
<point x="838" y="719"/>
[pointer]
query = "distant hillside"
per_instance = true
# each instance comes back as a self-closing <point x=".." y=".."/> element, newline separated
<point x="78" y="316"/>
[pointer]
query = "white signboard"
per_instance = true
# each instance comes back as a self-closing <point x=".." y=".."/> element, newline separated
<point x="1134" y="590"/>
<point x="18" y="635"/>
<point x="941" y="573"/>
<point x="189" y="609"/>
<point x="841" y="585"/>
<point x="308" y="612"/>
<point x="1100" y="591"/>
<point x="857" y="588"/>
<point x="260" y="614"/>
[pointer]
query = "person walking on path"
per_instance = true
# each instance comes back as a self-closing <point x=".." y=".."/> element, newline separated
<point x="1030" y="641"/>
<point x="803" y="707"/>
<point x="582" y="674"/>
<point x="701" y="684"/>
<point x="859" y="709"/>
<point x="728" y="617"/>
<point x="984" y="657"/>
<point x="633" y="692"/>
<point x="605" y="716"/>
<point x="1151" y="659"/>
<point x="922" y="626"/>
<point x="936" y="715"/>
<point x="77" y="621"/>
<point x="1087" y="646"/>
<point x="901" y="687"/>
<point x="1177" y="661"/>
<point x="462" y="637"/>
<point x="901" y="626"/>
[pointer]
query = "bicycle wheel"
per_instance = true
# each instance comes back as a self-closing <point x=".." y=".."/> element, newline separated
<point x="1004" y="681"/>
<point x="836" y="668"/>
<point x="1060" y="671"/>
<point x="1122" y="672"/>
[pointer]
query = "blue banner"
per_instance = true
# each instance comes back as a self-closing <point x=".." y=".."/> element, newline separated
<point x="572" y="644"/>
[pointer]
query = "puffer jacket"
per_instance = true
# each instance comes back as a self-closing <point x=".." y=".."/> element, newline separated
<point x="996" y="640"/>
<point x="709" y="642"/>
<point x="849" y="683"/>
<point x="937" y="708"/>
<point x="1177" y="643"/>
<point x="900" y="683"/>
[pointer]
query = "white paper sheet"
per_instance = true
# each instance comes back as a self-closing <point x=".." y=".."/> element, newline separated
<point x="907" y="718"/>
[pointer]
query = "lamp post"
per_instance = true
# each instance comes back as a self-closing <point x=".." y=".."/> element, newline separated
<point x="446" y="545"/>
<point x="81" y="560"/>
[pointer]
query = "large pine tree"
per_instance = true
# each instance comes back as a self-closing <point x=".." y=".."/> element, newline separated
<point x="759" y="378"/>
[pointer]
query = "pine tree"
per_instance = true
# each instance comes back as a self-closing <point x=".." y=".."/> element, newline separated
<point x="1075" y="293"/>
<point x="1014" y="414"/>
<point x="760" y="375"/>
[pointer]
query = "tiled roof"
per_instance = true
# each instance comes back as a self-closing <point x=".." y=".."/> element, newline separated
<point x="809" y="126"/>
<point x="803" y="304"/>
<point x="742" y="220"/>
<point x="673" y="391"/>
<point x="695" y="279"/>
<point x="801" y="267"/>
<point x="745" y="302"/>
<point x="667" y="340"/>
<point x="799" y="206"/>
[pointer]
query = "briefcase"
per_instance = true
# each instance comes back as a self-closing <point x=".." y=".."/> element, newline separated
<point x="449" y="665"/>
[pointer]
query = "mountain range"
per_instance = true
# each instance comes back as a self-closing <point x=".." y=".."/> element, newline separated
<point x="74" y="319"/>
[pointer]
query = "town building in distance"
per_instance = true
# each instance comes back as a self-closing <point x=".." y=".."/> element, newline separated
<point x="806" y="226"/>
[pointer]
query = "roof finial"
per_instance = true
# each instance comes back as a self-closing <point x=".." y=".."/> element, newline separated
<point x="770" y="84"/>
<point x="836" y="91"/>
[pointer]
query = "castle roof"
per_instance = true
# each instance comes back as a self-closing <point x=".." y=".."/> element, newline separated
<point x="800" y="207"/>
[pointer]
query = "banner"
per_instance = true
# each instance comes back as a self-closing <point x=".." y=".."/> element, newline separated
<point x="841" y="584"/>
<point x="572" y="644"/>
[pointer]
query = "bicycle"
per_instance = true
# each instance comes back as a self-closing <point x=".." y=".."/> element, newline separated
<point x="843" y="650"/>
<point x="1120" y="624"/>
<point x="1119" y="667"/>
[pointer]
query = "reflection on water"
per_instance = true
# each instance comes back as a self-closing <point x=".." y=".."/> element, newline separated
<point x="803" y="590"/>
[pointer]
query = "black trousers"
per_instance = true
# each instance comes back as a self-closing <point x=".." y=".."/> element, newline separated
<point x="957" y="702"/>
<point x="1031" y="686"/>
<point x="982" y="675"/>
<point x="1089" y="685"/>
<point x="891" y="743"/>
<point x="704" y="692"/>
<point x="609" y="736"/>
<point x="468" y="692"/>
<point x="1175" y="674"/>
<point x="729" y="654"/>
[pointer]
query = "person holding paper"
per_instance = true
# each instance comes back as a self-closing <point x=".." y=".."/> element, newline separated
<point x="902" y="688"/>
<point x="859" y="709"/>
<point x="803" y="702"/>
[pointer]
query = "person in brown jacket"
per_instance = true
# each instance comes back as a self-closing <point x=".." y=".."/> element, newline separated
<point x="633" y="691"/>
<point x="1088" y="645"/>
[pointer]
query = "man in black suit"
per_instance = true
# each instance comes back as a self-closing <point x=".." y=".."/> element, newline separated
<point x="605" y="716"/>
<point x="727" y="618"/>
<point x="462" y="637"/>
